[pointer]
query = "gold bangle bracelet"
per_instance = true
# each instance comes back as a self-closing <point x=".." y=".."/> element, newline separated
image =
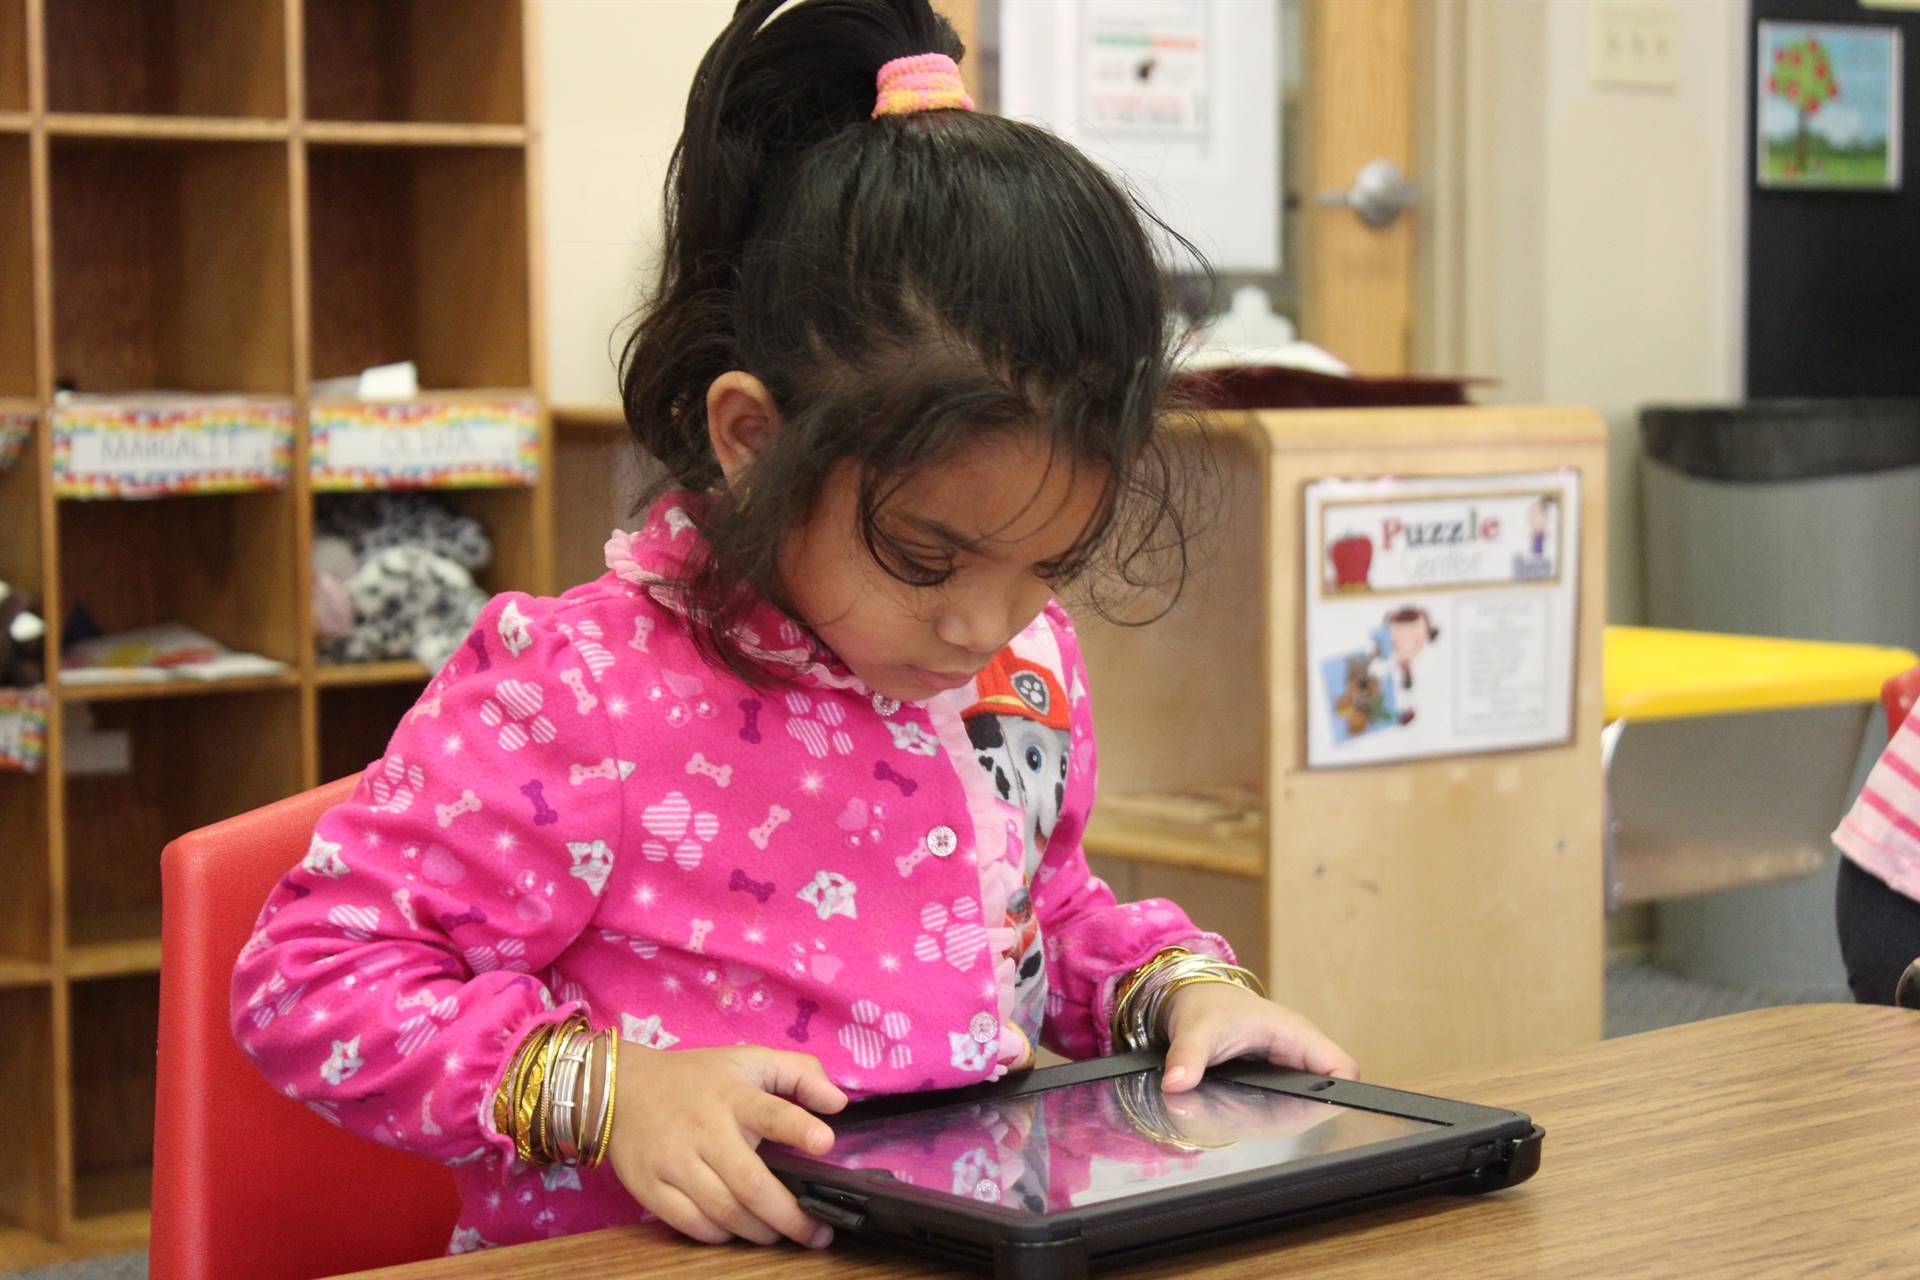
<point x="613" y="1076"/>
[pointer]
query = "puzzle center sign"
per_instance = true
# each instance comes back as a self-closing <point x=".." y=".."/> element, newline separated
<point x="1440" y="615"/>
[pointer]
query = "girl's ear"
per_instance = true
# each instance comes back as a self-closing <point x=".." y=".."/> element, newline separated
<point x="741" y="418"/>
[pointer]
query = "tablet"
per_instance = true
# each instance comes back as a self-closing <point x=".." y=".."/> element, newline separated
<point x="1073" y="1168"/>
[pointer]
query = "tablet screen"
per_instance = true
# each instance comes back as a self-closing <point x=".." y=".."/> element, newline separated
<point x="1083" y="1144"/>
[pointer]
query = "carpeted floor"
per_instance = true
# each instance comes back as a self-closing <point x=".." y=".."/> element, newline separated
<point x="1640" y="997"/>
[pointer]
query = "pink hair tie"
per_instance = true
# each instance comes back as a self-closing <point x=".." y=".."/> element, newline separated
<point x="924" y="82"/>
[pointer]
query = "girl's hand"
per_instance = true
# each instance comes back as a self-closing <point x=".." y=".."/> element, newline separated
<point x="685" y="1129"/>
<point x="1211" y="1022"/>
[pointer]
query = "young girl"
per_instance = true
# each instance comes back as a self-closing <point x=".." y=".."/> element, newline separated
<point x="796" y="790"/>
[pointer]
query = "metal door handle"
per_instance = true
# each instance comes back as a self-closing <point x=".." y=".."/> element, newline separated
<point x="1379" y="194"/>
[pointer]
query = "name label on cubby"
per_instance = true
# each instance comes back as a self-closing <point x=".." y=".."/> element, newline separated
<point x="446" y="445"/>
<point x="23" y="729"/>
<point x="143" y="451"/>
<point x="15" y="430"/>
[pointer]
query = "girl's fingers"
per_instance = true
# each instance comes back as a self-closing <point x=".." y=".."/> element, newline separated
<point x="801" y="1077"/>
<point x="710" y="1194"/>
<point x="671" y="1206"/>
<point x="1188" y="1057"/>
<point x="777" y="1120"/>
<point x="1307" y="1048"/>
<point x="763" y="1195"/>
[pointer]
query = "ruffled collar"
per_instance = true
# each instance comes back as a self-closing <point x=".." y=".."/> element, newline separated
<point x="657" y="555"/>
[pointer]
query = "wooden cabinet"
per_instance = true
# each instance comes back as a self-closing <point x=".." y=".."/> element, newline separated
<point x="221" y="198"/>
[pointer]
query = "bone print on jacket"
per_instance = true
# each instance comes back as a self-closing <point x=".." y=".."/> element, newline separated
<point x="579" y="814"/>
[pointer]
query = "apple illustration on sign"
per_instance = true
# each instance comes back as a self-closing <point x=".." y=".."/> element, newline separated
<point x="1352" y="560"/>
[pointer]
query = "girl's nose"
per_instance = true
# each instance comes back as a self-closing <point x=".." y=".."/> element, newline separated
<point x="978" y="622"/>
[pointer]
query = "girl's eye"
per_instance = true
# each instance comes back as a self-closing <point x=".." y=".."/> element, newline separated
<point x="1034" y="759"/>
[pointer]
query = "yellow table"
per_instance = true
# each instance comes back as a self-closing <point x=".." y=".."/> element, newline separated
<point x="1657" y="674"/>
<point x="1740" y="755"/>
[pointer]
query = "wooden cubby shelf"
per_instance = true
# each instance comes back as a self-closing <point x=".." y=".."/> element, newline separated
<point x="29" y="1174"/>
<point x="171" y="266"/>
<point x="114" y="1025"/>
<point x="206" y="207"/>
<point x="13" y="59"/>
<point x="167" y="57"/>
<point x="222" y="563"/>
<point x="444" y="61"/>
<point x="16" y="269"/>
<point x="420" y="253"/>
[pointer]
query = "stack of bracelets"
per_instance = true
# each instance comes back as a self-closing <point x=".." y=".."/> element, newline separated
<point x="1140" y="1004"/>
<point x="556" y="1101"/>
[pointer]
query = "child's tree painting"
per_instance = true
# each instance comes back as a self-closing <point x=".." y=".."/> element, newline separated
<point x="1829" y="106"/>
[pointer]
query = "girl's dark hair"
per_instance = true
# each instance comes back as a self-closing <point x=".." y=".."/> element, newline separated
<point x="904" y="287"/>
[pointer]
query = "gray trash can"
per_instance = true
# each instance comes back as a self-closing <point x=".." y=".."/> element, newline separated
<point x="1785" y="518"/>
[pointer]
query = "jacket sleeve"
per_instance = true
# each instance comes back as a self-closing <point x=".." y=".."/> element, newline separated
<point x="395" y="969"/>
<point x="1091" y="940"/>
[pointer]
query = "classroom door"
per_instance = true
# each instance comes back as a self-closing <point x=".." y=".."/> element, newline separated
<point x="1357" y="263"/>
<point x="1355" y="273"/>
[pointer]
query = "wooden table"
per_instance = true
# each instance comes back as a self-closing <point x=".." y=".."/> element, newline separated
<point x="1781" y="1142"/>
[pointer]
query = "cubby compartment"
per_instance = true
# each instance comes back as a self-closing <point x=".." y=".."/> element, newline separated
<point x="603" y="473"/>
<point x="512" y="523"/>
<point x="162" y="767"/>
<point x="25" y="941"/>
<point x="115" y="1033"/>
<point x="420" y="253"/>
<point x="29" y="1196"/>
<point x="418" y="61"/>
<point x="167" y="57"/>
<point x="357" y="721"/>
<point x="1189" y="788"/>
<point x="16" y="267"/>
<point x="13" y="56"/>
<point x="172" y="266"/>
<point x="223" y="565"/>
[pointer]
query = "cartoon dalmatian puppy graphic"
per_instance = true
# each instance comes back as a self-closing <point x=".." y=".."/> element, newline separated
<point x="1022" y="737"/>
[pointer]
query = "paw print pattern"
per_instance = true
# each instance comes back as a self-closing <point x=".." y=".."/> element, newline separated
<point x="396" y="784"/>
<point x="514" y="709"/>
<point x="422" y="1027"/>
<point x="860" y="823"/>
<point x="681" y="697"/>
<point x="678" y="832"/>
<point x="816" y="726"/>
<point x="507" y="955"/>
<point x="587" y="642"/>
<point x="954" y="933"/>
<point x="875" y="1034"/>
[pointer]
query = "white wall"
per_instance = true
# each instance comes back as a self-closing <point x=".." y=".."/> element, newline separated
<point x="614" y="77"/>
<point x="1589" y="241"/>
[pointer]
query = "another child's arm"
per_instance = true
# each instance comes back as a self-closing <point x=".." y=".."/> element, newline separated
<point x="396" y="969"/>
<point x="1093" y="942"/>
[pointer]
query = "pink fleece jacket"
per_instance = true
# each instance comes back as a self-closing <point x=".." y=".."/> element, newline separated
<point x="580" y="815"/>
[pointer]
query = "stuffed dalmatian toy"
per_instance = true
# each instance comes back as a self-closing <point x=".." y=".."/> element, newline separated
<point x="394" y="578"/>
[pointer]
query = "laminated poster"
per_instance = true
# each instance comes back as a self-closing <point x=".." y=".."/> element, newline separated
<point x="1440" y="615"/>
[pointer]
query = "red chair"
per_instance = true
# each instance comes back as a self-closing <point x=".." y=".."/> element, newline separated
<point x="247" y="1184"/>
<point x="1897" y="696"/>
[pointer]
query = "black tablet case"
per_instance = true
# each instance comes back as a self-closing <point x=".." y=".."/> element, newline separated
<point x="1479" y="1149"/>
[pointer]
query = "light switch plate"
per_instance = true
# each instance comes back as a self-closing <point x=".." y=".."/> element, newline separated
<point x="1634" y="42"/>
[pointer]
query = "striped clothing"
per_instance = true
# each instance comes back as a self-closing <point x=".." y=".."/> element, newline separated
<point x="1882" y="832"/>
